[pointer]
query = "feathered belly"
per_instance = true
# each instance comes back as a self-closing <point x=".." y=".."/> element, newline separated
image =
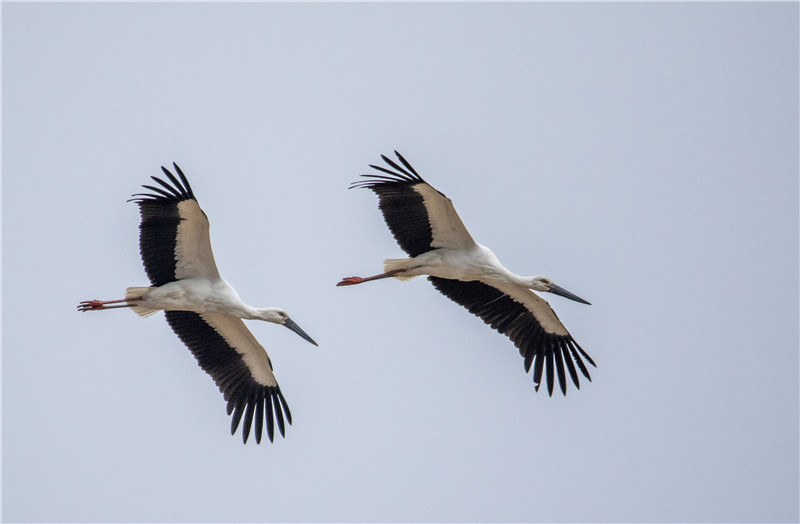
<point x="474" y="264"/>
<point x="182" y="295"/>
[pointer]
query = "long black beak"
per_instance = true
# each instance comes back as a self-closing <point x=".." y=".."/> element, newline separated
<point x="558" y="290"/>
<point x="294" y="327"/>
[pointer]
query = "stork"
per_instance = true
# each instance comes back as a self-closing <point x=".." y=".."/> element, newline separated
<point x="203" y="309"/>
<point x="427" y="227"/>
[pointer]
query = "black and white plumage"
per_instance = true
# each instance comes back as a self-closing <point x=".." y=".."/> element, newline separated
<point x="427" y="227"/>
<point x="203" y="310"/>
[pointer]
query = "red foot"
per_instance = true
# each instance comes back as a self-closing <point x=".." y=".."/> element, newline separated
<point x="96" y="305"/>
<point x="90" y="305"/>
<point x="350" y="281"/>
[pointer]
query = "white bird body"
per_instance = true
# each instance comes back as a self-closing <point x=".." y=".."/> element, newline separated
<point x="475" y="262"/>
<point x="425" y="224"/>
<point x="199" y="295"/>
<point x="201" y="307"/>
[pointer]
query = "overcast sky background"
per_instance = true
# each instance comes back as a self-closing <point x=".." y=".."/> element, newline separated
<point x="645" y="157"/>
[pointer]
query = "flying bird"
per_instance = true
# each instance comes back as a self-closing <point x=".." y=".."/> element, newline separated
<point x="427" y="227"/>
<point x="203" y="309"/>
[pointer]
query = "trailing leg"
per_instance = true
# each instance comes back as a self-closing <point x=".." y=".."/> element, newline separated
<point x="358" y="280"/>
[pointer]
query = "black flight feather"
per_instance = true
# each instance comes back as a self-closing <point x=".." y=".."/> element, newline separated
<point x="230" y="373"/>
<point x="403" y="208"/>
<point x="158" y="229"/>
<point x="545" y="351"/>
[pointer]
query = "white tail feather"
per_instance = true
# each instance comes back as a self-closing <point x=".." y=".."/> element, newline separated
<point x="391" y="264"/>
<point x="134" y="293"/>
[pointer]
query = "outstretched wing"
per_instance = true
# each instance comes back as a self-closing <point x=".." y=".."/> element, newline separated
<point x="529" y="321"/>
<point x="173" y="234"/>
<point x="420" y="217"/>
<point x="239" y="365"/>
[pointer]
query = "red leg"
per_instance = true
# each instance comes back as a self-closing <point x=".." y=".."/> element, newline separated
<point x="97" y="305"/>
<point x="358" y="280"/>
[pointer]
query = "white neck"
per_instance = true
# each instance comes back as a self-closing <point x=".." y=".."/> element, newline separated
<point x="269" y="314"/>
<point x="536" y="283"/>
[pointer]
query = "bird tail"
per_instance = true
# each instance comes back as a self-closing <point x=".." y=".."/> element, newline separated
<point x="132" y="295"/>
<point x="392" y="264"/>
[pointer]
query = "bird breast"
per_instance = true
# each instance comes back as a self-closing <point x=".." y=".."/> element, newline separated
<point x="193" y="294"/>
<point x="475" y="263"/>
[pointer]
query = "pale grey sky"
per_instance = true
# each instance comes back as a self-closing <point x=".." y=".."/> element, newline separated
<point x="644" y="156"/>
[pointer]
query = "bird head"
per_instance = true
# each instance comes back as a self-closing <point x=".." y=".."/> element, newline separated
<point x="546" y="285"/>
<point x="279" y="316"/>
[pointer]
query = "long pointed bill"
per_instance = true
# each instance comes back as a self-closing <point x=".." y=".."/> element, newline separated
<point x="294" y="327"/>
<point x="558" y="290"/>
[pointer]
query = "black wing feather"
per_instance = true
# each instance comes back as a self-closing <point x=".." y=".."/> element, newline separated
<point x="159" y="225"/>
<point x="245" y="396"/>
<point x="545" y="351"/>
<point x="259" y="416"/>
<point x="402" y="207"/>
<point x="158" y="190"/>
<point x="279" y="416"/>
